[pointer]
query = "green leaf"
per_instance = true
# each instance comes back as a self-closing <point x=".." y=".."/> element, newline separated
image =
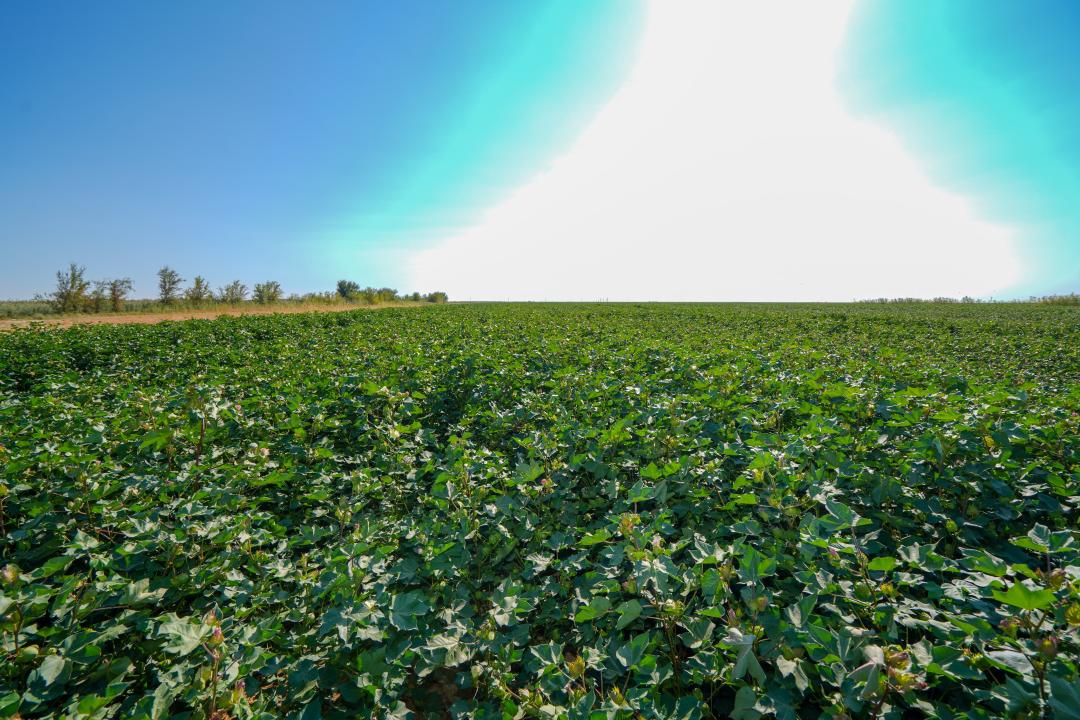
<point x="53" y="565"/>
<point x="156" y="440"/>
<point x="651" y="472"/>
<point x="753" y="565"/>
<point x="745" y="660"/>
<point x="9" y="704"/>
<point x="275" y="479"/>
<point x="442" y="642"/>
<point x="745" y="702"/>
<point x="1011" y="660"/>
<point x="629" y="611"/>
<point x="52" y="669"/>
<point x="47" y="681"/>
<point x="654" y="571"/>
<point x="595" y="538"/>
<point x="951" y="662"/>
<point x="984" y="562"/>
<point x="1029" y="544"/>
<point x="405" y="607"/>
<point x="697" y="633"/>
<point x="762" y="461"/>
<point x="1019" y="697"/>
<point x="527" y="473"/>
<point x="799" y="613"/>
<point x="871" y="679"/>
<point x="549" y="654"/>
<point x="844" y="514"/>
<point x="631" y="653"/>
<point x="139" y="593"/>
<point x="1065" y="698"/>
<point x="882" y="564"/>
<point x="947" y="416"/>
<point x="795" y="670"/>
<point x="373" y="663"/>
<point x="596" y="608"/>
<point x="640" y="493"/>
<point x="687" y="708"/>
<point x="1023" y="597"/>
<point x="182" y="635"/>
<point x="1041" y="540"/>
<point x="312" y="711"/>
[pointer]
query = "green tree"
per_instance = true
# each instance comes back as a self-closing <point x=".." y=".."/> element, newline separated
<point x="168" y="285"/>
<point x="71" y="287"/>
<point x="233" y="293"/>
<point x="267" y="292"/>
<point x="348" y="289"/>
<point x="386" y="295"/>
<point x="118" y="290"/>
<point x="95" y="300"/>
<point x="199" y="292"/>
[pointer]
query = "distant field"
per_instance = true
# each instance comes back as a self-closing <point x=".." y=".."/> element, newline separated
<point x="157" y="314"/>
<point x="556" y="511"/>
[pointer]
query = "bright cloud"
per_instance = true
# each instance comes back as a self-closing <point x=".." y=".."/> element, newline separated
<point x="727" y="168"/>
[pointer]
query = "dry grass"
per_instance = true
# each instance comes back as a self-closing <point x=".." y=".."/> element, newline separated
<point x="144" y="318"/>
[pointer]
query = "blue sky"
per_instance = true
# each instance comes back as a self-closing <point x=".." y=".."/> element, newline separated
<point x="564" y="150"/>
<point x="261" y="139"/>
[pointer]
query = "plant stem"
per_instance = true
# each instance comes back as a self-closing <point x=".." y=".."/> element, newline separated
<point x="18" y="626"/>
<point x="213" y="687"/>
<point x="202" y="438"/>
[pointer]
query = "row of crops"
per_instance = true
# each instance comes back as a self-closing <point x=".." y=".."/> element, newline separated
<point x="553" y="511"/>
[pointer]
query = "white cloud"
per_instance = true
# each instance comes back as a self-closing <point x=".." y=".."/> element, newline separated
<point x="727" y="168"/>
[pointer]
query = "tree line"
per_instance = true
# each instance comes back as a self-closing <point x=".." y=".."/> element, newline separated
<point x="1066" y="299"/>
<point x="75" y="293"/>
<point x="351" y="291"/>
